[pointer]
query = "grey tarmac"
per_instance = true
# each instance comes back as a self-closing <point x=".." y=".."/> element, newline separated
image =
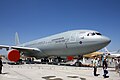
<point x="53" y="72"/>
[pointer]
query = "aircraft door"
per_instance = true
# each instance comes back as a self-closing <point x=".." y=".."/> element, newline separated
<point x="72" y="40"/>
<point x="72" y="37"/>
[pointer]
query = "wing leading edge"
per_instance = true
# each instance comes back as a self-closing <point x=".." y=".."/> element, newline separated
<point x="19" y="48"/>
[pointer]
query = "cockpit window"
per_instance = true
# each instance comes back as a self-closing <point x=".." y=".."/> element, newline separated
<point x="89" y="34"/>
<point x="94" y="33"/>
<point x="98" y="34"/>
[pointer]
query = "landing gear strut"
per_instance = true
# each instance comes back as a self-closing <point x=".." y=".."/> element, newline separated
<point x="78" y="62"/>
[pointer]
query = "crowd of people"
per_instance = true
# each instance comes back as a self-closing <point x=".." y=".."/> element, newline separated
<point x="105" y="66"/>
<point x="96" y="63"/>
<point x="117" y="65"/>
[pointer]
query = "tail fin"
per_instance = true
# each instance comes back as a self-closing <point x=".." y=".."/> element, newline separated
<point x="16" y="39"/>
<point x="107" y="52"/>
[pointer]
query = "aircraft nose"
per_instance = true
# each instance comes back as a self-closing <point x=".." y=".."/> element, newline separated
<point x="106" y="40"/>
<point x="102" y="41"/>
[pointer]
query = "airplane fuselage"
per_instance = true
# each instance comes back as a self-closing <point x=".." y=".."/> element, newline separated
<point x="75" y="42"/>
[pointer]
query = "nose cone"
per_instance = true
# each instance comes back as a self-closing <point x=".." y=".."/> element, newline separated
<point x="101" y="42"/>
<point x="105" y="40"/>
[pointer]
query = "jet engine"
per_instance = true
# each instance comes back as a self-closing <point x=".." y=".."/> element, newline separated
<point x="13" y="55"/>
<point x="69" y="58"/>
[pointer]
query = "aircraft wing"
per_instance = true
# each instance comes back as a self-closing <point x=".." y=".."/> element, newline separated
<point x="19" y="48"/>
<point x="4" y="46"/>
<point x="14" y="51"/>
<point x="25" y="48"/>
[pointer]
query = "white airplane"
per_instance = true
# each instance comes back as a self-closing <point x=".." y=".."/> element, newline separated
<point x="70" y="43"/>
<point x="113" y="54"/>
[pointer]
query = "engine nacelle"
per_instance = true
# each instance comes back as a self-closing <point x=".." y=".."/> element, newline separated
<point x="13" y="55"/>
<point x="69" y="58"/>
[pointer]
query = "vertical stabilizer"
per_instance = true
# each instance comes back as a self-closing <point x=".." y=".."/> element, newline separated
<point x="16" y="39"/>
<point x="106" y="50"/>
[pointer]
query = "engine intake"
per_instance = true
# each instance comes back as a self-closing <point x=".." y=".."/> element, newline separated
<point x="13" y="55"/>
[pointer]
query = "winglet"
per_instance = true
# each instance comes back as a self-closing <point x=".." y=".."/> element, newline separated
<point x="16" y="39"/>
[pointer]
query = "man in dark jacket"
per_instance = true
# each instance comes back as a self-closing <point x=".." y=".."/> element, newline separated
<point x="105" y="65"/>
<point x="1" y="65"/>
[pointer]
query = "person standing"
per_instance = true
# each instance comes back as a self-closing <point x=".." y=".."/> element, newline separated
<point x="119" y="66"/>
<point x="95" y="65"/>
<point x="1" y="65"/>
<point x="116" y="64"/>
<point x="105" y="65"/>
